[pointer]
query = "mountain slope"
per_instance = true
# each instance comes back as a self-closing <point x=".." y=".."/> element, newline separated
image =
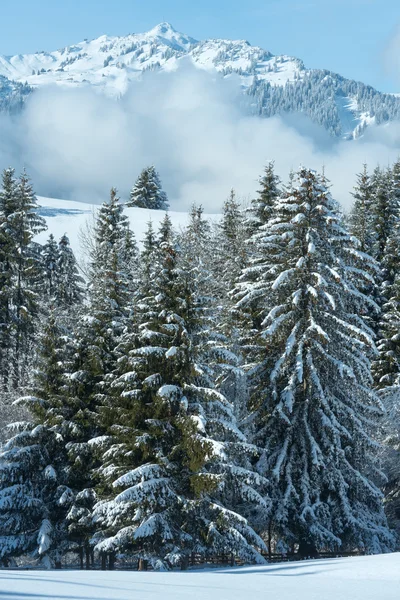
<point x="67" y="216"/>
<point x="277" y="84"/>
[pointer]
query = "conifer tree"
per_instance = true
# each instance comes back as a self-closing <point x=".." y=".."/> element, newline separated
<point x="314" y="407"/>
<point x="231" y="239"/>
<point x="108" y="277"/>
<point x="361" y="214"/>
<point x="51" y="257"/>
<point x="163" y="470"/>
<point x="147" y="191"/>
<point x="147" y="255"/>
<point x="34" y="491"/>
<point x="386" y="368"/>
<point x="70" y="284"/>
<point x="385" y="211"/>
<point x="262" y="207"/>
<point x="7" y="249"/>
<point x="19" y="223"/>
<point x="96" y="337"/>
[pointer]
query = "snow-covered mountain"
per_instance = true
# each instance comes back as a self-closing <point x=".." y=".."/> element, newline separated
<point x="276" y="83"/>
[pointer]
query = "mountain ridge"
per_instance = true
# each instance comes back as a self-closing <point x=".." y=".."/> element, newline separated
<point x="276" y="83"/>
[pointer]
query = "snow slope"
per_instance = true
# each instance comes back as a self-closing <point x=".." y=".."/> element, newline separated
<point x="66" y="216"/>
<point x="361" y="578"/>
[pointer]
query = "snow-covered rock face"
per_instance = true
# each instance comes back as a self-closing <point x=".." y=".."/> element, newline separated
<point x="278" y="84"/>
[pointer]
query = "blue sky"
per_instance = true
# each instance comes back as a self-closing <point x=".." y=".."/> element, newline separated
<point x="346" y="36"/>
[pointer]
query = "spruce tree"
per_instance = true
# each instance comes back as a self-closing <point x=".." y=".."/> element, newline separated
<point x="20" y="223"/>
<point x="7" y="254"/>
<point x="231" y="237"/>
<point x="386" y="368"/>
<point x="315" y="412"/>
<point x="70" y="284"/>
<point x="34" y="491"/>
<point x="165" y="471"/>
<point x="147" y="191"/>
<point x="262" y="207"/>
<point x="360" y="220"/>
<point x="385" y="211"/>
<point x="50" y="257"/>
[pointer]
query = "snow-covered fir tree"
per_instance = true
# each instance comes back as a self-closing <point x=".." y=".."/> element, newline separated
<point x="34" y="491"/>
<point x="71" y="288"/>
<point x="385" y="211"/>
<point x="20" y="222"/>
<point x="386" y="368"/>
<point x="231" y="236"/>
<point x="262" y="206"/>
<point x="147" y="191"/>
<point x="7" y="207"/>
<point x="171" y="441"/>
<point x="360" y="220"/>
<point x="50" y="258"/>
<point x="99" y="329"/>
<point x="315" y="411"/>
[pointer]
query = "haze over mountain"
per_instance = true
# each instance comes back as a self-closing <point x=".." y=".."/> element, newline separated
<point x="92" y="115"/>
<point x="275" y="84"/>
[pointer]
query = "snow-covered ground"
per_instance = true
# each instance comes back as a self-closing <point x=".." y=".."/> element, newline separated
<point x="67" y="216"/>
<point x="361" y="578"/>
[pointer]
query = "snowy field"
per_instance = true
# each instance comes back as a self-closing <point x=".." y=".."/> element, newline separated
<point x="361" y="578"/>
<point x="67" y="216"/>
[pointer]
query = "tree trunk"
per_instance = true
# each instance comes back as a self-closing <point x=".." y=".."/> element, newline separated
<point x="81" y="557"/>
<point x="88" y="557"/>
<point x="143" y="563"/>
<point x="307" y="548"/>
<point x="270" y="540"/>
<point x="103" y="562"/>
<point x="111" y="562"/>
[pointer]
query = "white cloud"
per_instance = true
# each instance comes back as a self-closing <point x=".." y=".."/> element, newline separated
<point x="196" y="129"/>
<point x="392" y="54"/>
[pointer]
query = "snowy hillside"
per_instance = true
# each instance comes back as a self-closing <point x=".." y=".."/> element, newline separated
<point x="361" y="578"/>
<point x="277" y="83"/>
<point x="65" y="216"/>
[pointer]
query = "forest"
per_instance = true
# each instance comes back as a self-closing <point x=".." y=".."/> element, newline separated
<point x="230" y="388"/>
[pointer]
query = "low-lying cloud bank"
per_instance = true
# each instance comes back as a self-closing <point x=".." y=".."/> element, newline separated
<point x="196" y="129"/>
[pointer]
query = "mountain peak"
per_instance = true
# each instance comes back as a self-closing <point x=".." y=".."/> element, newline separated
<point x="162" y="29"/>
<point x="167" y="32"/>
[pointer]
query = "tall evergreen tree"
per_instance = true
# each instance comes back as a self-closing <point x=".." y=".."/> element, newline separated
<point x="385" y="211"/>
<point x="262" y="207"/>
<point x="70" y="284"/>
<point x="7" y="208"/>
<point x="147" y="191"/>
<point x="50" y="257"/>
<point x="34" y="491"/>
<point x="167" y="440"/>
<point x="386" y="368"/>
<point x="19" y="223"/>
<point x="231" y="237"/>
<point x="361" y="214"/>
<point x="314" y="407"/>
